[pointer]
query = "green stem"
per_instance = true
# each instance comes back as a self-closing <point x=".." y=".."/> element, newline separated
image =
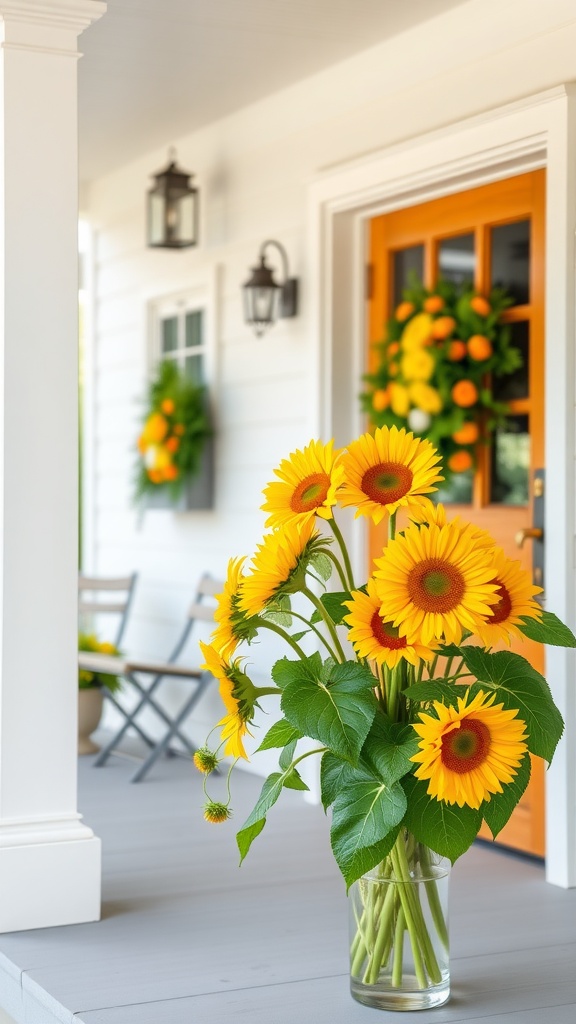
<point x="268" y="624"/>
<point x="404" y="882"/>
<point x="311" y="626"/>
<point x="434" y="899"/>
<point x="326" y="620"/>
<point x="392" y="527"/>
<point x="398" y="949"/>
<point x="384" y="930"/>
<point x="330" y="554"/>
<point x="344" y="550"/>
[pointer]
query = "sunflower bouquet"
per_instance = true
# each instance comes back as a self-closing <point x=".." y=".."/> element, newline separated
<point x="423" y="729"/>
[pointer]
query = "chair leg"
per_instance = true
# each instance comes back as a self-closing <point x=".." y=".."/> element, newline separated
<point x="173" y="730"/>
<point x="130" y="722"/>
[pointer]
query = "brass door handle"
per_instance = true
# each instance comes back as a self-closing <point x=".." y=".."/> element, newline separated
<point x="529" y="533"/>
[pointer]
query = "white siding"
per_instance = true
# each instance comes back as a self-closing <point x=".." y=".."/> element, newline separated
<point x="254" y="170"/>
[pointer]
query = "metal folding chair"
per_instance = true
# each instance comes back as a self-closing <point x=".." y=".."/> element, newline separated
<point x="122" y="587"/>
<point x="132" y="669"/>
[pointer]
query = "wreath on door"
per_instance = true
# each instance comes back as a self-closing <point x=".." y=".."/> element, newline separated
<point x="442" y="352"/>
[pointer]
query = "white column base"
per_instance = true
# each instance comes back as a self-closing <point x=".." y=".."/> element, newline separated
<point x="46" y="883"/>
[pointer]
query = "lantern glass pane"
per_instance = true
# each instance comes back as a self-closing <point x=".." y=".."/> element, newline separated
<point x="156" y="207"/>
<point x="186" y="225"/>
<point x="264" y="304"/>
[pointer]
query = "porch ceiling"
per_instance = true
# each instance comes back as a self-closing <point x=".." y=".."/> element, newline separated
<point x="157" y="69"/>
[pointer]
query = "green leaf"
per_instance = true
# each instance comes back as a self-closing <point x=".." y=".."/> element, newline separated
<point x="286" y="670"/>
<point x="294" y="781"/>
<point x="287" y="755"/>
<point x="520" y="687"/>
<point x="322" y="564"/>
<point x="434" y="689"/>
<point x="271" y="790"/>
<point x="367" y="857"/>
<point x="339" y="713"/>
<point x="498" y="810"/>
<point x="550" y="630"/>
<point x="334" y="775"/>
<point x="279" y="735"/>
<point x="445" y="828"/>
<point x="299" y="636"/>
<point x="334" y="605"/>
<point x="365" y="813"/>
<point x="279" y="611"/>
<point x="388" y="749"/>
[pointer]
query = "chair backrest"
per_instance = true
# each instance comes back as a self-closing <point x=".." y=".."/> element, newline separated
<point x="200" y="610"/>
<point x="122" y="589"/>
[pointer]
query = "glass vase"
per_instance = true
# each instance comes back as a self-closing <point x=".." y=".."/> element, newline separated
<point x="399" y="954"/>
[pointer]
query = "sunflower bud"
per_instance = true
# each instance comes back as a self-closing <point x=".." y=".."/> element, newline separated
<point x="216" y="812"/>
<point x="205" y="760"/>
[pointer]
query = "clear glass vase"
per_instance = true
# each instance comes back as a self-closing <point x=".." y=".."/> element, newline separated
<point x="399" y="954"/>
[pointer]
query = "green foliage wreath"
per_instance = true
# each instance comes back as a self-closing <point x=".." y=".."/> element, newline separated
<point x="436" y="366"/>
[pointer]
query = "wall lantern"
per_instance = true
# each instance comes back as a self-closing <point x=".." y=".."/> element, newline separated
<point x="264" y="298"/>
<point x="172" y="208"/>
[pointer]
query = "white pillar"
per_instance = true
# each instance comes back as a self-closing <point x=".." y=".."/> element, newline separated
<point x="49" y="860"/>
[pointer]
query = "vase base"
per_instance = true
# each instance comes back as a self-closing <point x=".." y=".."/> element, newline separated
<point x="409" y="997"/>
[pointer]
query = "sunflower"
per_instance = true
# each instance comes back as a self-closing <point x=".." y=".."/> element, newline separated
<point x="515" y="596"/>
<point x="307" y="485"/>
<point x="233" y="625"/>
<point x="467" y="752"/>
<point x="436" y="581"/>
<point x="388" y="470"/>
<point x="377" y="639"/>
<point x="238" y="695"/>
<point x="279" y="566"/>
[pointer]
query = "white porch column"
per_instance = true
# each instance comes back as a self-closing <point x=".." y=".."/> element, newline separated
<point x="49" y="860"/>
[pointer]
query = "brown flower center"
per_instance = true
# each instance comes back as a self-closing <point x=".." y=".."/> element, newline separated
<point x="310" y="493"/>
<point x="435" y="585"/>
<point x="386" y="634"/>
<point x="387" y="482"/>
<point x="465" y="748"/>
<point x="501" y="610"/>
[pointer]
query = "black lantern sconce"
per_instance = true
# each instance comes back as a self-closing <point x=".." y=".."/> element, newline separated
<point x="172" y="208"/>
<point x="264" y="299"/>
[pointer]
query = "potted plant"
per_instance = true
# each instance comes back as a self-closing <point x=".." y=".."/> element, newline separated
<point x="91" y="691"/>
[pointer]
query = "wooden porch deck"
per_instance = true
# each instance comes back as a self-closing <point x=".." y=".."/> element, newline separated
<point x="188" y="938"/>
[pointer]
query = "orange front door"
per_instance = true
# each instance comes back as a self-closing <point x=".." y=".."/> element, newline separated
<point x="488" y="236"/>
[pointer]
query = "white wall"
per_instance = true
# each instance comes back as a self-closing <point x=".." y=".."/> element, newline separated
<point x="254" y="170"/>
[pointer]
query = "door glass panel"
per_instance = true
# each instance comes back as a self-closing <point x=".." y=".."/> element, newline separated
<point x="517" y="384"/>
<point x="457" y="259"/>
<point x="510" y="457"/>
<point x="458" y="490"/>
<point x="169" y="334"/>
<point x="407" y="264"/>
<point x="510" y="248"/>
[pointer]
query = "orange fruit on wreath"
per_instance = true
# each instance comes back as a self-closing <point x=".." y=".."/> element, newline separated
<point x="460" y="461"/>
<point x="456" y="351"/>
<point x="442" y="327"/>
<point x="403" y="311"/>
<point x="155" y="475"/>
<point x="479" y="348"/>
<point x="380" y="399"/>
<point x="168" y="405"/>
<point x="171" y="472"/>
<point x="464" y="394"/>
<point x="468" y="433"/>
<point x="392" y="349"/>
<point x="433" y="304"/>
<point x="480" y="305"/>
<point x="155" y="428"/>
<point x="173" y="444"/>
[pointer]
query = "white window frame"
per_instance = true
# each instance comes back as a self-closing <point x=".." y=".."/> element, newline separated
<point x="200" y="297"/>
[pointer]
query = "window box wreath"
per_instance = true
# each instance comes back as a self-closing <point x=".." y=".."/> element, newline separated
<point x="175" y="451"/>
<point x="442" y="351"/>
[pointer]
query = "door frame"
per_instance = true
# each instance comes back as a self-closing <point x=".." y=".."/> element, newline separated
<point x="539" y="131"/>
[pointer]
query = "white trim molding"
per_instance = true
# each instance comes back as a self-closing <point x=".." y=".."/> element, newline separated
<point x="539" y="131"/>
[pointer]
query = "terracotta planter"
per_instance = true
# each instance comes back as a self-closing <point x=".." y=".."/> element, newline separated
<point x="90" y="703"/>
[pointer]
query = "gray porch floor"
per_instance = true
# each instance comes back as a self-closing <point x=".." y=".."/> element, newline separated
<point x="188" y="938"/>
